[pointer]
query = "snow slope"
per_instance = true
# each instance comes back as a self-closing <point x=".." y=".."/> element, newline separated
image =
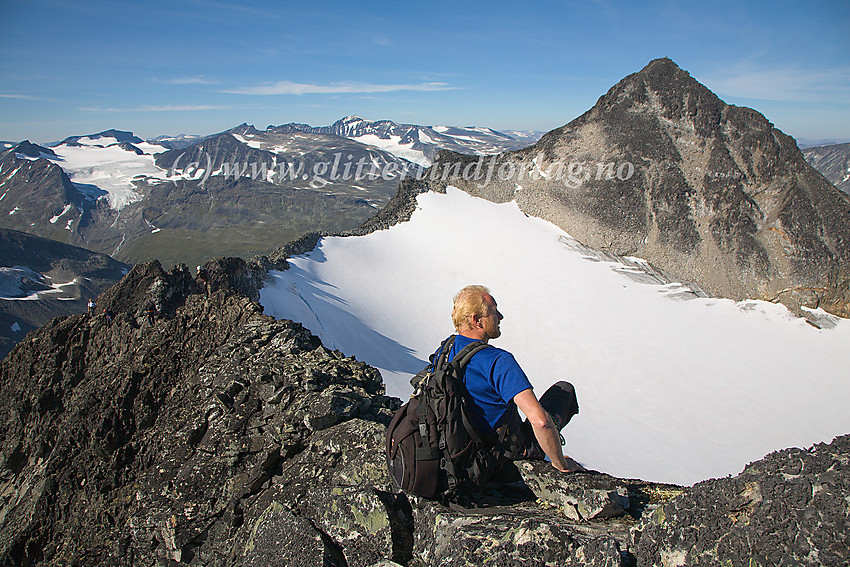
<point x="20" y="283"/>
<point x="670" y="390"/>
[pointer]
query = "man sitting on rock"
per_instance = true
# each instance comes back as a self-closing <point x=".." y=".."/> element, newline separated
<point x="498" y="386"/>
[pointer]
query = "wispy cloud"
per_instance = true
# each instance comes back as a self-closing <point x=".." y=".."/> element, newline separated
<point x="783" y="84"/>
<point x="196" y="80"/>
<point x="291" y="88"/>
<point x="151" y="108"/>
<point x="23" y="96"/>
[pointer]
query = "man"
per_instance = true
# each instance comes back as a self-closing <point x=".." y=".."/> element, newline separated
<point x="496" y="382"/>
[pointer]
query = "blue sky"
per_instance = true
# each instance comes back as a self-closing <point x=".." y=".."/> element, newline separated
<point x="201" y="66"/>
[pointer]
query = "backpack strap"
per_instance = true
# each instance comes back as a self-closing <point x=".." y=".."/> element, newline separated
<point x="462" y="358"/>
<point x="437" y="360"/>
<point x="459" y="363"/>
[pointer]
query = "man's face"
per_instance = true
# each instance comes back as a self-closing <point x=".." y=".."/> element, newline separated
<point x="492" y="319"/>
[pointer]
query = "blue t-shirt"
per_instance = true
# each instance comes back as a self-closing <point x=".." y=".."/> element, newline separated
<point x="493" y="377"/>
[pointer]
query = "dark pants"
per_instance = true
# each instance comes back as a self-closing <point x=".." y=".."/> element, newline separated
<point x="519" y="441"/>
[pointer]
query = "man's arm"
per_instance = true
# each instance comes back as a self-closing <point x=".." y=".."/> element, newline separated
<point x="545" y="431"/>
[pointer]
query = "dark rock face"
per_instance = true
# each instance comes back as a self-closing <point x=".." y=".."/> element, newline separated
<point x="206" y="433"/>
<point x="663" y="169"/>
<point x="38" y="196"/>
<point x="147" y="437"/>
<point x="35" y="151"/>
<point x="790" y="508"/>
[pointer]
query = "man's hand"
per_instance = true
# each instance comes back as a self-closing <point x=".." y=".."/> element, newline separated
<point x="572" y="466"/>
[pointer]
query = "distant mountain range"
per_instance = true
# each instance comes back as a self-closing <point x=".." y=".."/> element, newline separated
<point x="419" y="144"/>
<point x="833" y="162"/>
<point x="41" y="279"/>
<point x="189" y="198"/>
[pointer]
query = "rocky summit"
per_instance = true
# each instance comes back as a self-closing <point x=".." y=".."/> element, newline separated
<point x="185" y="427"/>
<point x="662" y="169"/>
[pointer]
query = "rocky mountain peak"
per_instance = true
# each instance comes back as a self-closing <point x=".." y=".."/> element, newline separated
<point x="663" y="169"/>
<point x="244" y="129"/>
<point x="670" y="91"/>
<point x="29" y="149"/>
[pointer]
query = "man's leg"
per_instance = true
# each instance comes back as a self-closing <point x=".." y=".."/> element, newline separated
<point x="561" y="403"/>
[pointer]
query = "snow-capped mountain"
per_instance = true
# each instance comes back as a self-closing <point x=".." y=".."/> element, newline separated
<point x="175" y="142"/>
<point x="673" y="386"/>
<point x="301" y="160"/>
<point x="37" y="196"/>
<point x="833" y="162"/>
<point x="420" y="144"/>
<point x="109" y="165"/>
<point x="41" y="279"/>
<point x="238" y="193"/>
<point x="101" y="139"/>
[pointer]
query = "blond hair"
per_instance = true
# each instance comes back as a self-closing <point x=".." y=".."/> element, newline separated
<point x="468" y="302"/>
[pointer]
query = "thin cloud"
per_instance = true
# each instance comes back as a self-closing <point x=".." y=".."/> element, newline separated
<point x="173" y="108"/>
<point x="196" y="80"/>
<point x="784" y="84"/>
<point x="23" y="96"/>
<point x="291" y="88"/>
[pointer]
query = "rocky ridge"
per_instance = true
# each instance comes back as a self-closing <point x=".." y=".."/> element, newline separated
<point x="207" y="433"/>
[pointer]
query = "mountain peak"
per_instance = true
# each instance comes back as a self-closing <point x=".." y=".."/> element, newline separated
<point x="29" y="149"/>
<point x="707" y="191"/>
<point x="662" y="65"/>
<point x="664" y="88"/>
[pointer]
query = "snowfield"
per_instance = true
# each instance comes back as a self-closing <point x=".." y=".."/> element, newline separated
<point x="394" y="146"/>
<point x="670" y="390"/>
<point x="109" y="168"/>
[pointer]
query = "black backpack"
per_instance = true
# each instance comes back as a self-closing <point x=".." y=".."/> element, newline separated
<point x="434" y="449"/>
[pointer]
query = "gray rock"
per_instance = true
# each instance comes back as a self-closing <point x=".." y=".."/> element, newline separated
<point x="717" y="195"/>
<point x="790" y="508"/>
<point x="579" y="496"/>
<point x="368" y="525"/>
<point x="281" y="539"/>
<point x="510" y="537"/>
